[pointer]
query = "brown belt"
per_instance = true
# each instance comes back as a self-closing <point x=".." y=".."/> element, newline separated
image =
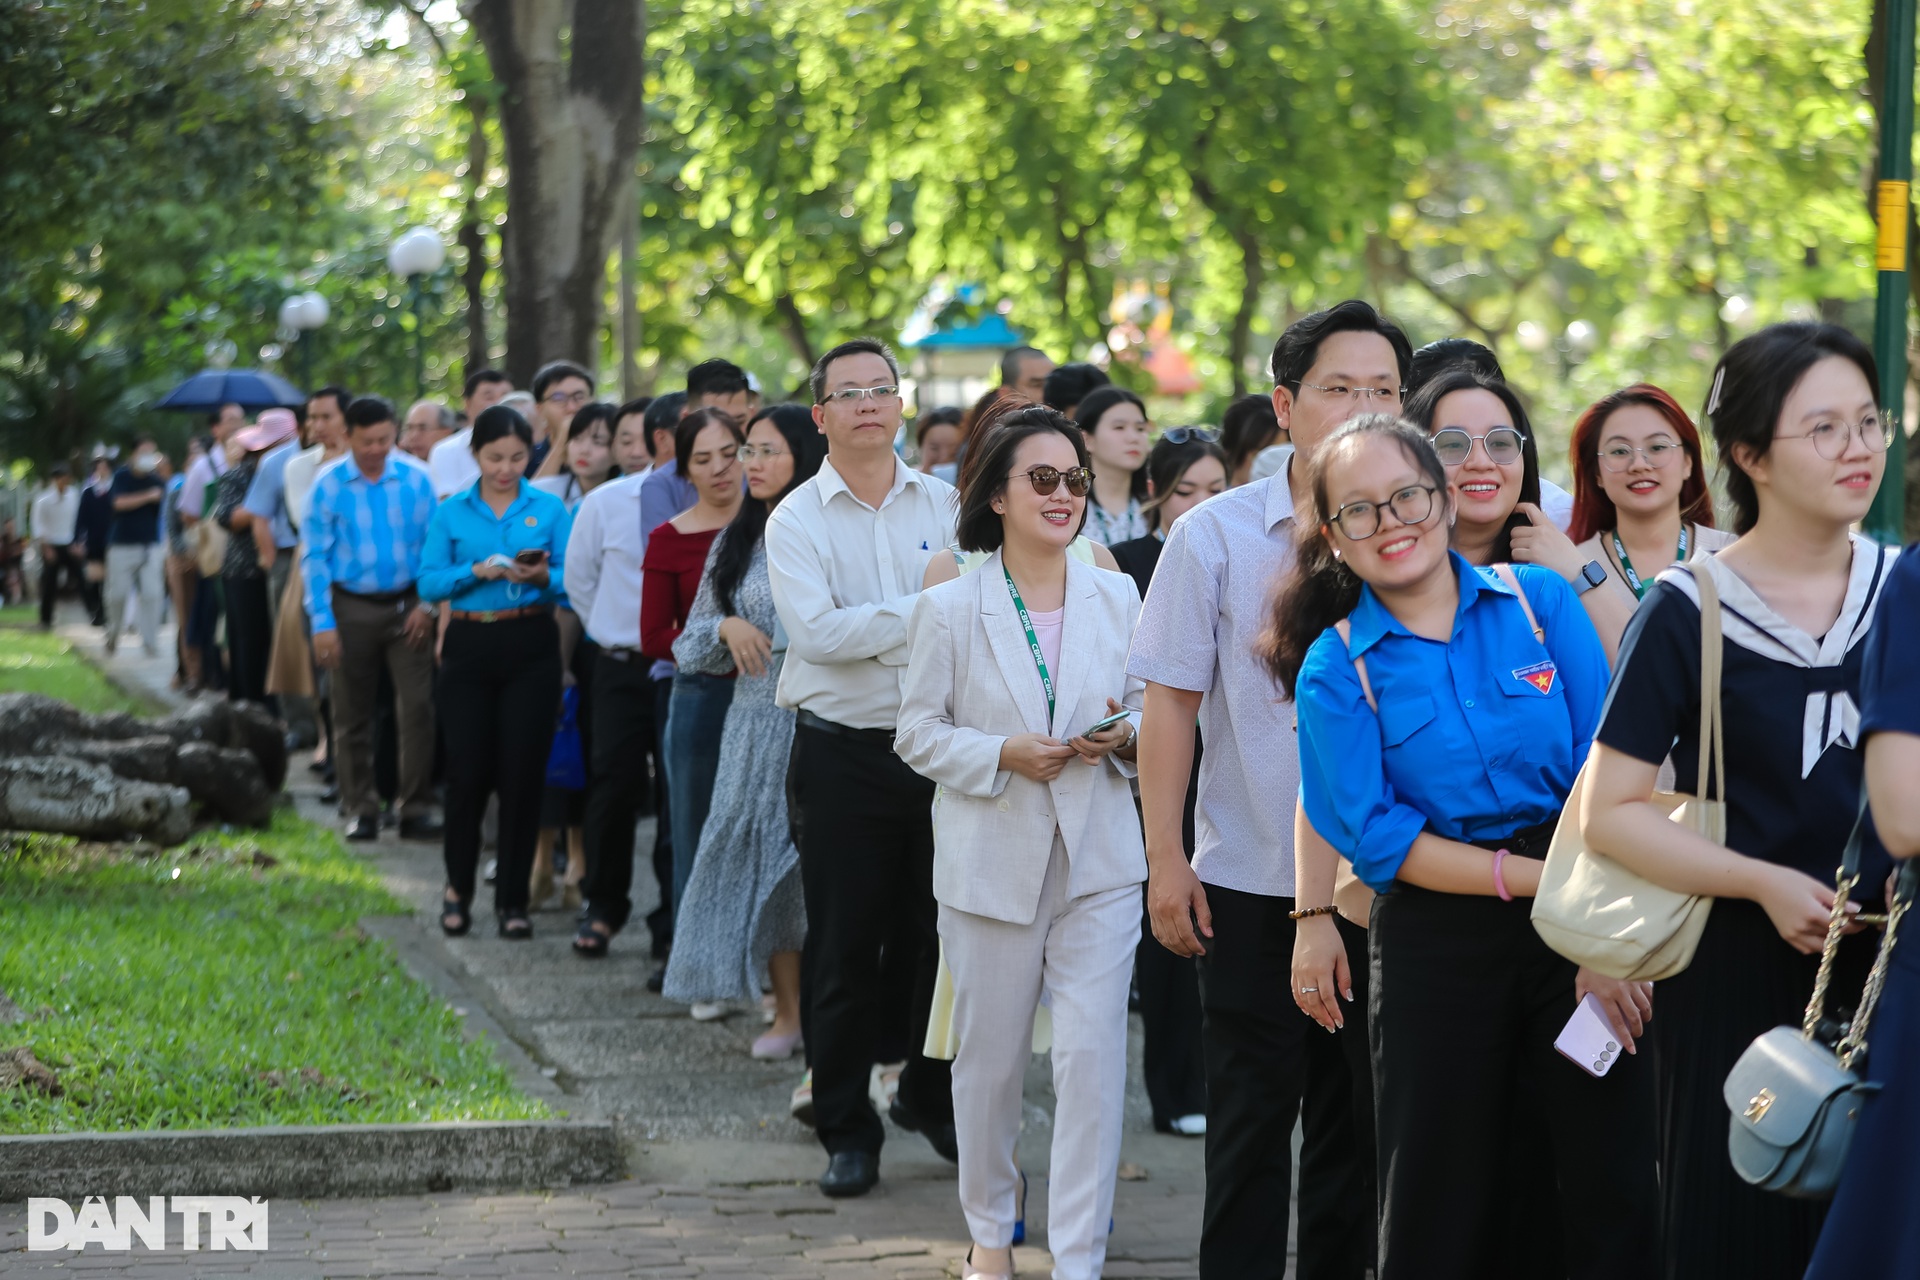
<point x="499" y="615"/>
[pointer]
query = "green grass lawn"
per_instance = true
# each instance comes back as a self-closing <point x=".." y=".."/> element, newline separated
<point x="35" y="661"/>
<point x="219" y="984"/>
<point x="223" y="983"/>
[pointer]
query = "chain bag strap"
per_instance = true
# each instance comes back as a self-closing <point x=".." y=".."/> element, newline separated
<point x="1794" y="1101"/>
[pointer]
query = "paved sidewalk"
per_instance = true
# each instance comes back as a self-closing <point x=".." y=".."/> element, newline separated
<point x="722" y="1177"/>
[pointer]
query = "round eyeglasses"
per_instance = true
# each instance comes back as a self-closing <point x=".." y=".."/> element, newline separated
<point x="1046" y="479"/>
<point x="1658" y="452"/>
<point x="1455" y="445"/>
<point x="1831" y="436"/>
<point x="1361" y="520"/>
<point x="1181" y="435"/>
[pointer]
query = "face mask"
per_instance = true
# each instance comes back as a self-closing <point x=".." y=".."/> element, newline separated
<point x="145" y="462"/>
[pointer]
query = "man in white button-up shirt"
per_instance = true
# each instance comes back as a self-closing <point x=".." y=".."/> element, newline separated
<point x="629" y="706"/>
<point x="846" y="553"/>
<point x="1196" y="647"/>
<point x="55" y="515"/>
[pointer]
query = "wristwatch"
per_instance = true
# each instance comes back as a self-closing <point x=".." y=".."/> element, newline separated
<point x="1591" y="575"/>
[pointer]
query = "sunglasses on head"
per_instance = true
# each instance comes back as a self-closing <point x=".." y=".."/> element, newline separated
<point x="1046" y="479"/>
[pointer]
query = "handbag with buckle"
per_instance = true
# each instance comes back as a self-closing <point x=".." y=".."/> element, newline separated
<point x="1795" y="1099"/>
<point x="1599" y="914"/>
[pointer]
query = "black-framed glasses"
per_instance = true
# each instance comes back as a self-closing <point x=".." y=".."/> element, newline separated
<point x="1046" y="479"/>
<point x="1200" y="435"/>
<point x="1455" y="445"/>
<point x="1361" y="520"/>
<point x="1365" y="395"/>
<point x="1658" y="452"/>
<point x="1830" y="436"/>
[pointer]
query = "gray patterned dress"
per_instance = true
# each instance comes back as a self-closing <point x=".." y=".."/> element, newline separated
<point x="743" y="902"/>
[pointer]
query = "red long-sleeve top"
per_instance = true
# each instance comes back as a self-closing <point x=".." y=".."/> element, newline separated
<point x="669" y="579"/>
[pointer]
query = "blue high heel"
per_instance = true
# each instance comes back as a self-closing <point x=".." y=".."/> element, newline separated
<point x="1020" y="1223"/>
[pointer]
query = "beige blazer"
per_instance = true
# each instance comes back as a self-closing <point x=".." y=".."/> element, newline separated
<point x="971" y="685"/>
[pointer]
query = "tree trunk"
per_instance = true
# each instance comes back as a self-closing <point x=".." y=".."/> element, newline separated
<point x="473" y="239"/>
<point x="571" y="113"/>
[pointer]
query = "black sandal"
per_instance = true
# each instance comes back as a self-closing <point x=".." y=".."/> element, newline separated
<point x="589" y="942"/>
<point x="515" y="926"/>
<point x="455" y="917"/>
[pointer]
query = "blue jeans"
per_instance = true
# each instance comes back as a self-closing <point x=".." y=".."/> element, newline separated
<point x="696" y="715"/>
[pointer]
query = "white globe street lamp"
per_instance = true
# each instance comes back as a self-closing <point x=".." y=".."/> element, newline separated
<point x="417" y="254"/>
<point x="300" y="315"/>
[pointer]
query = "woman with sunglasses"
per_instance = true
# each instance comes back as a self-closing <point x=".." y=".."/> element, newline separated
<point x="1013" y="703"/>
<point x="1443" y="712"/>
<point x="1641" y="500"/>
<point x="1115" y="422"/>
<point x="1802" y="445"/>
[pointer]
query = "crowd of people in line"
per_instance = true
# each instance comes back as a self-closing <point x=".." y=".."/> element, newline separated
<point x="1266" y="731"/>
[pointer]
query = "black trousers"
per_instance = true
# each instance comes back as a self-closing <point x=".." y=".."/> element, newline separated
<point x="866" y="868"/>
<point x="624" y="741"/>
<point x="501" y="687"/>
<point x="1490" y="1141"/>
<point x="249" y="636"/>
<point x="1172" y="1061"/>
<point x="1268" y="1064"/>
<point x="72" y="560"/>
<point x="660" y="919"/>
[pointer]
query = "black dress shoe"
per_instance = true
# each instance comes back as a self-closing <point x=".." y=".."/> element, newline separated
<point x="850" y="1173"/>
<point x="331" y="795"/>
<point x="363" y="828"/>
<point x="421" y="829"/>
<point x="657" y="980"/>
<point x="939" y="1135"/>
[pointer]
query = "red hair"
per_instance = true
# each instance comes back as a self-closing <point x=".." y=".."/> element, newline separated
<point x="1593" y="510"/>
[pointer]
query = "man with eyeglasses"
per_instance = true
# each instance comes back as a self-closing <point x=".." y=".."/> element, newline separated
<point x="1196" y="643"/>
<point x="561" y="389"/>
<point x="847" y="552"/>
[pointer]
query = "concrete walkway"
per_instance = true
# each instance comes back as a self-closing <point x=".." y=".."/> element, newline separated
<point x="721" y="1176"/>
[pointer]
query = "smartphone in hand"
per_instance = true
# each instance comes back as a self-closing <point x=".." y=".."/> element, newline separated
<point x="1113" y="719"/>
<point x="531" y="556"/>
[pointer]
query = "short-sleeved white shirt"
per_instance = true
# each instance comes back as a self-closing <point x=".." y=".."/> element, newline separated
<point x="1203" y="616"/>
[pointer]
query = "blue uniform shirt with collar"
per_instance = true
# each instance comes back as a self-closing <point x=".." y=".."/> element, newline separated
<point x="464" y="531"/>
<point x="364" y="535"/>
<point x="1475" y="739"/>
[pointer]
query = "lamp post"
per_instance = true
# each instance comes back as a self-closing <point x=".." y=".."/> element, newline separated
<point x="416" y="255"/>
<point x="300" y="315"/>
<point x="1891" y="204"/>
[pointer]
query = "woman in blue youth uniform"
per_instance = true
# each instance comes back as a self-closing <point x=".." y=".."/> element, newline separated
<point x="496" y="553"/>
<point x="1444" y="710"/>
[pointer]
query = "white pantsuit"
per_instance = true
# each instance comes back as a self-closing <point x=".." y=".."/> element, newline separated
<point x="1038" y="885"/>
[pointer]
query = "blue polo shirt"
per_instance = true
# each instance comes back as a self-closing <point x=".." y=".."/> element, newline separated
<point x="1475" y="739"/>
<point x="464" y="531"/>
<point x="267" y="495"/>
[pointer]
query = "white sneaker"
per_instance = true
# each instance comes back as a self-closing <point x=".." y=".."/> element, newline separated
<point x="1194" y="1126"/>
<point x="709" y="1010"/>
<point x="883" y="1085"/>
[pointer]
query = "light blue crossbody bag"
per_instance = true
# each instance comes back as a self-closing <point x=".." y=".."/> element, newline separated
<point x="1795" y="1100"/>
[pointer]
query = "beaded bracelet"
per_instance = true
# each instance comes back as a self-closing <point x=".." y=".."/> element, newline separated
<point x="1309" y="913"/>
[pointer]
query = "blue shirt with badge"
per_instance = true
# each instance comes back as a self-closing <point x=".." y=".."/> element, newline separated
<point x="464" y="531"/>
<point x="1475" y="739"/>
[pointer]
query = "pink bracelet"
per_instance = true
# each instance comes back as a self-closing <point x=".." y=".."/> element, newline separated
<point x="1499" y="883"/>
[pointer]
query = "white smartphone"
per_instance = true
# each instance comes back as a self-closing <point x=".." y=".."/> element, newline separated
<point x="1588" y="1041"/>
<point x="1113" y="719"/>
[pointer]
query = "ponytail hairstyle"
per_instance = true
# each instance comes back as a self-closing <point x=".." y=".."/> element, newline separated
<point x="734" y="550"/>
<point x="1319" y="590"/>
<point x="1422" y="411"/>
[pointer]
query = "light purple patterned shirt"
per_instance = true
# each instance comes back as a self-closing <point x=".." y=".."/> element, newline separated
<point x="1202" y="618"/>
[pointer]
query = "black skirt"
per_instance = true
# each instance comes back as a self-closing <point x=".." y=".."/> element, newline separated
<point x="1744" y="981"/>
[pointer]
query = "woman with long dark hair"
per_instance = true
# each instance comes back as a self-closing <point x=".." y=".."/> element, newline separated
<point x="1115" y="422"/>
<point x="743" y="913"/>
<point x="1802" y="441"/>
<point x="1415" y="673"/>
<point x="1640" y="499"/>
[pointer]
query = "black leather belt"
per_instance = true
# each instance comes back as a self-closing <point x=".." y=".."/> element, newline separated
<point x="882" y="738"/>
<point x="622" y="655"/>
